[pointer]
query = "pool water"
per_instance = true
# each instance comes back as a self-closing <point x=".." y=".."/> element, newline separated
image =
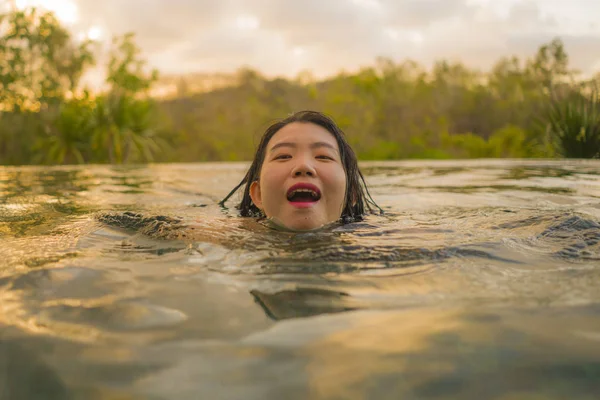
<point x="480" y="281"/>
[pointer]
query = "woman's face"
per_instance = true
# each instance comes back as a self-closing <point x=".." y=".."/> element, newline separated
<point x="302" y="183"/>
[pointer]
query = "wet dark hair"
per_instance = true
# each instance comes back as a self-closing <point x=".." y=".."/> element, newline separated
<point x="358" y="199"/>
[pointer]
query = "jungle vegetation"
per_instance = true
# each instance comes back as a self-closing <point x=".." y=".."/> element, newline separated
<point x="520" y="108"/>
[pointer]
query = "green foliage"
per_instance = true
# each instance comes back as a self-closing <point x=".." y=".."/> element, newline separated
<point x="382" y="150"/>
<point x="125" y="116"/>
<point x="46" y="118"/>
<point x="388" y="111"/>
<point x="508" y="142"/>
<point x="550" y="65"/>
<point x="69" y="133"/>
<point x="573" y="123"/>
<point x="124" y="130"/>
<point x="126" y="70"/>
<point x="40" y="63"/>
<point x="468" y="145"/>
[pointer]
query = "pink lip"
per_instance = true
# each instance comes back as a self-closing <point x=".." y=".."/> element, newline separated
<point x="304" y="204"/>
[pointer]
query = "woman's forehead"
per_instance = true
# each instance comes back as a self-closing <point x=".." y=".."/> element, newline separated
<point x="303" y="133"/>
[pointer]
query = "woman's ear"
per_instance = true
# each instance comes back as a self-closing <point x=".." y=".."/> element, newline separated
<point x="255" y="194"/>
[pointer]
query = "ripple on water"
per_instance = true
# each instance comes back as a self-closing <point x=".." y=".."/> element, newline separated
<point x="577" y="237"/>
<point x="60" y="283"/>
<point x="82" y="296"/>
<point x="421" y="302"/>
<point x="127" y="315"/>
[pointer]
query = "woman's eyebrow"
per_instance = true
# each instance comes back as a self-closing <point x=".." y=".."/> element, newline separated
<point x="314" y="145"/>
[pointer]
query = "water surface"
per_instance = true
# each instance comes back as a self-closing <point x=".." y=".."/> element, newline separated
<point x="480" y="281"/>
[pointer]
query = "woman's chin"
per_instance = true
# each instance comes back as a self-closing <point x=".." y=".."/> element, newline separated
<point x="296" y="225"/>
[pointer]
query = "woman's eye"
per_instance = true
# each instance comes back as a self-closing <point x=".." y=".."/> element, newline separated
<point x="323" y="157"/>
<point x="282" y="157"/>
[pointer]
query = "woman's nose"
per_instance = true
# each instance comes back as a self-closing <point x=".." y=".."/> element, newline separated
<point x="303" y="168"/>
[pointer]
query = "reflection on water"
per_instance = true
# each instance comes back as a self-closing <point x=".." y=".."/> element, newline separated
<point x="481" y="280"/>
<point x="23" y="375"/>
<point x="301" y="302"/>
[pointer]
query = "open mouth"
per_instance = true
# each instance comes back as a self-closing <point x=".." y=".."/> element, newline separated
<point x="303" y="193"/>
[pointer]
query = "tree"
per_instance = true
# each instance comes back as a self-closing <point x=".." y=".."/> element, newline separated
<point x="67" y="141"/>
<point x="40" y="64"/>
<point x="550" y="65"/>
<point x="125" y="115"/>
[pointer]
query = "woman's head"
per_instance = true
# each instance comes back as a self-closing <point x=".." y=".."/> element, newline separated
<point x="304" y="175"/>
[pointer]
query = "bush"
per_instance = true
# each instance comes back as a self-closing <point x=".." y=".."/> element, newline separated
<point x="573" y="124"/>
<point x="508" y="142"/>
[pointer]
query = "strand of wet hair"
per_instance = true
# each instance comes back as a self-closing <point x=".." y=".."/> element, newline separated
<point x="235" y="189"/>
<point x="369" y="199"/>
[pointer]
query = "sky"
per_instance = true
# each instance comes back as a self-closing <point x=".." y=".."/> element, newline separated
<point x="285" y="37"/>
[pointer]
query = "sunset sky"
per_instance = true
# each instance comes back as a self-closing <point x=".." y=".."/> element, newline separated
<point x="281" y="37"/>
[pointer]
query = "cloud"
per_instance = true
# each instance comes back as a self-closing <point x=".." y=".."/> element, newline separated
<point x="423" y="13"/>
<point x="284" y="37"/>
<point x="158" y="24"/>
<point x="224" y="49"/>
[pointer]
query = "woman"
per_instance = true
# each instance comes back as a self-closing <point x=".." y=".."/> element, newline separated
<point x="304" y="175"/>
